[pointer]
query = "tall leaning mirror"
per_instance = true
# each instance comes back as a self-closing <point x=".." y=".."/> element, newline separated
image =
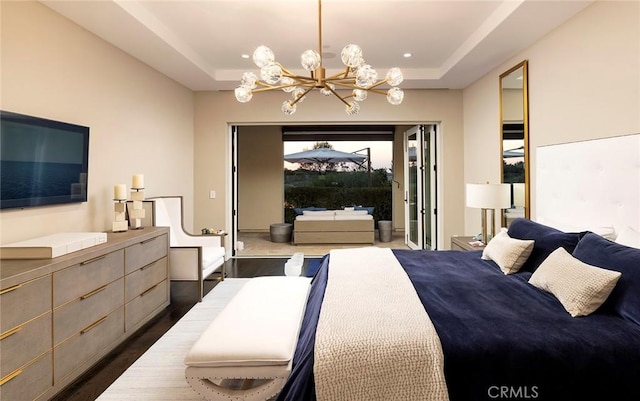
<point x="514" y="134"/>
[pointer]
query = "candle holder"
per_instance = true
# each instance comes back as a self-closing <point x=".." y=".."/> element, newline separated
<point x="120" y="222"/>
<point x="137" y="212"/>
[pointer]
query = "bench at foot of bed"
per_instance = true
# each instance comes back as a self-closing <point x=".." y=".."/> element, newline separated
<point x="245" y="354"/>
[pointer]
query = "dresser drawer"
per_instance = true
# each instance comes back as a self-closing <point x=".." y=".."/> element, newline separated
<point x="24" y="343"/>
<point x="80" y="279"/>
<point x="88" y="342"/>
<point x="144" y="278"/>
<point x="30" y="382"/>
<point x="76" y="315"/>
<point x="24" y="302"/>
<point x="145" y="252"/>
<point x="141" y="306"/>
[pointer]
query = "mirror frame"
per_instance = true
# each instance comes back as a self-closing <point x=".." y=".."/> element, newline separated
<point x="525" y="120"/>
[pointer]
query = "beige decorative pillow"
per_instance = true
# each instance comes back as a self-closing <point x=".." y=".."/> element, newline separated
<point x="508" y="253"/>
<point x="581" y="288"/>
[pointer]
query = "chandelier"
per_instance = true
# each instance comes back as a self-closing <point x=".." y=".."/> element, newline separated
<point x="358" y="76"/>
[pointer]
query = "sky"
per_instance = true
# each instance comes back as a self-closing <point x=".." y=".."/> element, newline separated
<point x="381" y="151"/>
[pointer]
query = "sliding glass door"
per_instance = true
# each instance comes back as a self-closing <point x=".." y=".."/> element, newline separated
<point x="420" y="187"/>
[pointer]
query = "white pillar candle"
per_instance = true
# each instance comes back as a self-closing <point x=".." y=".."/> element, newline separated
<point x="120" y="191"/>
<point x="138" y="181"/>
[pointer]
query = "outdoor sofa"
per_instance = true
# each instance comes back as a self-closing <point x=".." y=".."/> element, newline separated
<point x="346" y="226"/>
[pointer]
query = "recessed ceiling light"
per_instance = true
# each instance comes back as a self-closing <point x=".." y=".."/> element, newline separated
<point x="407" y="55"/>
<point x="245" y="56"/>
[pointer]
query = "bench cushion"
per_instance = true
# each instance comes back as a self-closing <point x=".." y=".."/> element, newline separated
<point x="258" y="327"/>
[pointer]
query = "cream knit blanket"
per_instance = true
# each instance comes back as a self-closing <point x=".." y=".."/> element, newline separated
<point x="374" y="339"/>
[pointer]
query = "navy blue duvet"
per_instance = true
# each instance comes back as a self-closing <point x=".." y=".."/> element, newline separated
<point x="502" y="338"/>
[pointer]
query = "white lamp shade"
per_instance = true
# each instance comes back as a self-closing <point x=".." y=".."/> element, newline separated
<point x="489" y="196"/>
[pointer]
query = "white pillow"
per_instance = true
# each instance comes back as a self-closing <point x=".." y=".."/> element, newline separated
<point x="318" y="212"/>
<point x="580" y="288"/>
<point x="350" y="212"/>
<point x="629" y="237"/>
<point x="508" y="253"/>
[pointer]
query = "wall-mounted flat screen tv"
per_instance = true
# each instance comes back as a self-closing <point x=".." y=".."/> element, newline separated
<point x="42" y="162"/>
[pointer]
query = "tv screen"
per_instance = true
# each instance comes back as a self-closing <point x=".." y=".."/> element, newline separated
<point x="42" y="162"/>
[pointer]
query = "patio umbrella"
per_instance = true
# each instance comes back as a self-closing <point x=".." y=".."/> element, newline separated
<point x="517" y="152"/>
<point x="324" y="155"/>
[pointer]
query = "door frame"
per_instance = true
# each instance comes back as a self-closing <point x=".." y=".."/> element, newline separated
<point x="232" y="182"/>
<point x="420" y="242"/>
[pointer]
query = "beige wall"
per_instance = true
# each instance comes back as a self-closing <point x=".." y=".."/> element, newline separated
<point x="397" y="186"/>
<point x="140" y="121"/>
<point x="584" y="83"/>
<point x="260" y="177"/>
<point x="216" y="111"/>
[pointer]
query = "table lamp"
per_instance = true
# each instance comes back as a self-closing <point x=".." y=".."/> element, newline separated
<point x="488" y="197"/>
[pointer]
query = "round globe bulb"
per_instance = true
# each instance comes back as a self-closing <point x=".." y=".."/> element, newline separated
<point x="288" y="108"/>
<point x="352" y="56"/>
<point x="395" y="96"/>
<point x="271" y="73"/>
<point x="366" y="76"/>
<point x="243" y="94"/>
<point x="394" y="76"/>
<point x="310" y="60"/>
<point x="249" y="80"/>
<point x="263" y="56"/>
<point x="353" y="108"/>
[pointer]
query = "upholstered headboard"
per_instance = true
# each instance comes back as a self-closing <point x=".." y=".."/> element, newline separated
<point x="592" y="183"/>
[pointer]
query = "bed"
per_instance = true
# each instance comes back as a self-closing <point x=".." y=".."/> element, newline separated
<point x="501" y="336"/>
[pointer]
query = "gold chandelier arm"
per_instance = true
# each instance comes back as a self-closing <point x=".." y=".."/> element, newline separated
<point x="345" y="85"/>
<point x="351" y="86"/>
<point x="303" y="80"/>
<point x="266" y="88"/>
<point x="338" y="96"/>
<point x="341" y="75"/>
<point x="377" y="91"/>
<point x="301" y="96"/>
<point x="263" y="86"/>
<point x="378" y="83"/>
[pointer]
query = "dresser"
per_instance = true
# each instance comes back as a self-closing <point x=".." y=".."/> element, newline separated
<point x="60" y="316"/>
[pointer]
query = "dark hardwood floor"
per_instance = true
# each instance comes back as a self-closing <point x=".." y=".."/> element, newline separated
<point x="96" y="380"/>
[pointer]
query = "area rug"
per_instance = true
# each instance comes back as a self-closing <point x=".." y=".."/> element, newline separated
<point x="158" y="375"/>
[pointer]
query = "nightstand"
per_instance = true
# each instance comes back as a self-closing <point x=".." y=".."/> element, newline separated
<point x="461" y="243"/>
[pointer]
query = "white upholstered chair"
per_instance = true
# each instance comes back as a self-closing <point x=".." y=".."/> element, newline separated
<point x="191" y="257"/>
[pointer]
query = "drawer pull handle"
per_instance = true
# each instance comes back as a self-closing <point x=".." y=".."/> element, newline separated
<point x="15" y="287"/>
<point x="147" y="266"/>
<point x="148" y="240"/>
<point x="94" y="292"/>
<point x="93" y="325"/>
<point x="10" y="332"/>
<point x="10" y="376"/>
<point x="149" y="290"/>
<point x="86" y="262"/>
